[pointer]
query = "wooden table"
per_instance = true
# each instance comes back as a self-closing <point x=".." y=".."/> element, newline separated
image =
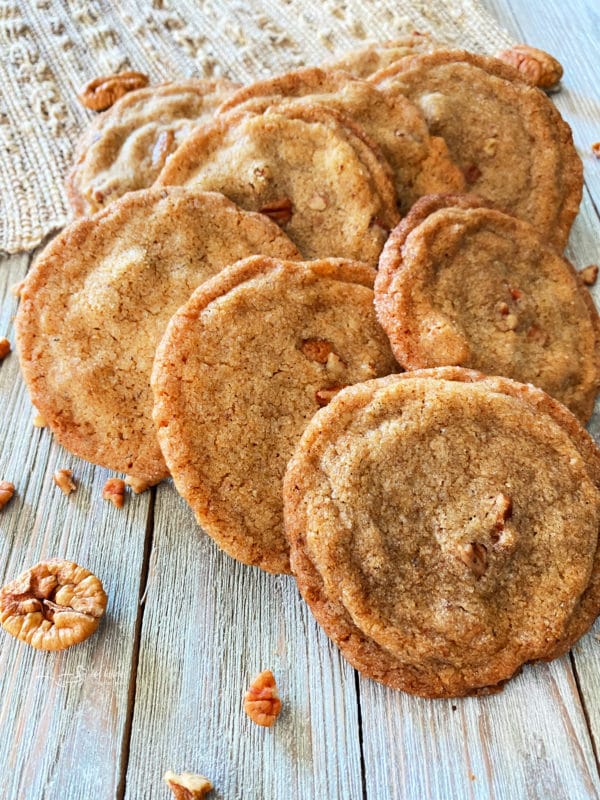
<point x="160" y="685"/>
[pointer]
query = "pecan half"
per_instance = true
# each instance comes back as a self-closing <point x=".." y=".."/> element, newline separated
<point x="536" y="66"/>
<point x="188" y="786"/>
<point x="114" y="491"/>
<point x="261" y="701"/>
<point x="4" y="348"/>
<point x="280" y="211"/>
<point x="100" y="93"/>
<point x="7" y="490"/>
<point x="53" y="605"/>
<point x="474" y="556"/>
<point x="63" y="478"/>
<point x="589" y="275"/>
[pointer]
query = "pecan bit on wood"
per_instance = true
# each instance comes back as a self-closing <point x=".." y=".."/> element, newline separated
<point x="63" y="478"/>
<point x="317" y="349"/>
<point x="114" y="491"/>
<point x="53" y="605"/>
<point x="7" y="490"/>
<point x="100" y="93"/>
<point x="474" y="556"/>
<point x="589" y="275"/>
<point x="280" y="211"/>
<point x="187" y="786"/>
<point x="261" y="701"/>
<point x="4" y="348"/>
<point x="596" y="149"/>
<point x="536" y="66"/>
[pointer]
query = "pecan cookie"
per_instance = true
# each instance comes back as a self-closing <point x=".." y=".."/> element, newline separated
<point x="462" y="284"/>
<point x="420" y="163"/>
<point x="241" y="370"/>
<point x="310" y="168"/>
<point x="98" y="300"/>
<point x="512" y="144"/>
<point x="365" y="61"/>
<point x="444" y="528"/>
<point x="125" y="147"/>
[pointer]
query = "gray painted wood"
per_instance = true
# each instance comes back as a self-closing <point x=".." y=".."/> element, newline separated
<point x="62" y="715"/>
<point x="210" y="625"/>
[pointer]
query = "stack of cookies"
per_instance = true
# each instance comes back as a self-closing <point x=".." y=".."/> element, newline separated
<point x="259" y="265"/>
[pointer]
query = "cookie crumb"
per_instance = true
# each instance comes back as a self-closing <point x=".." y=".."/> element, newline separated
<point x="589" y="274"/>
<point x="39" y="421"/>
<point x="137" y="485"/>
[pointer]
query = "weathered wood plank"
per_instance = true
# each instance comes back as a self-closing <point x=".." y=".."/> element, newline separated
<point x="62" y="715"/>
<point x="210" y="624"/>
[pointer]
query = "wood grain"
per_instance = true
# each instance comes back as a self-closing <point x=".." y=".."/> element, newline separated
<point x="210" y="625"/>
<point x="62" y="715"/>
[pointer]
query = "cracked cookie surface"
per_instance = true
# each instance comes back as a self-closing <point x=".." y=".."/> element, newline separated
<point x="236" y="380"/>
<point x="444" y="528"/>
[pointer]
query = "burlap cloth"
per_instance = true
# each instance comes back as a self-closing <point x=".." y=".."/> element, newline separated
<point x="49" y="48"/>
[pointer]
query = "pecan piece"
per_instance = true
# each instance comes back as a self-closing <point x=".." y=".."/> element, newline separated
<point x="162" y="148"/>
<point x="474" y="556"/>
<point x="100" y="93"/>
<point x="501" y="510"/>
<point x="53" y="605"/>
<point x="7" y="489"/>
<point x="280" y="211"/>
<point x="114" y="490"/>
<point x="596" y="149"/>
<point x="188" y="786"/>
<point x="536" y="66"/>
<point x="261" y="701"/>
<point x="324" y="396"/>
<point x="63" y="478"/>
<point x="317" y="349"/>
<point x="589" y="274"/>
<point x="4" y="348"/>
<point x="137" y="485"/>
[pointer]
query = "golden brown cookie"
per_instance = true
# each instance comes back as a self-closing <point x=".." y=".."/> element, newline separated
<point x="311" y="169"/>
<point x="126" y="147"/>
<point x="512" y="144"/>
<point x="98" y="300"/>
<point x="444" y="528"/>
<point x="462" y="284"/>
<point x="420" y="163"/>
<point x="241" y="370"/>
<point x="365" y="61"/>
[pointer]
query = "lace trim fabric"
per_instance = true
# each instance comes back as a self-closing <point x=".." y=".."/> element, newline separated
<point x="49" y="48"/>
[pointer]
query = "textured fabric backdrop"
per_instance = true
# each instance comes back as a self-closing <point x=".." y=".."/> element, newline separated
<point x="49" y="48"/>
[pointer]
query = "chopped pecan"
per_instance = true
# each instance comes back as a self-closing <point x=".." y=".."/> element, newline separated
<point x="188" y="786"/>
<point x="501" y="510"/>
<point x="53" y="605"/>
<point x="261" y="701"/>
<point x="317" y="349"/>
<point x="7" y="490"/>
<point x="100" y="93"/>
<point x="4" y="348"/>
<point x="324" y="396"/>
<point x="536" y="66"/>
<point x="589" y="274"/>
<point x="114" y="490"/>
<point x="63" y="478"/>
<point x="536" y="334"/>
<point x="472" y="173"/>
<point x="280" y="211"/>
<point x="137" y="485"/>
<point x="596" y="149"/>
<point x="162" y="148"/>
<point x="474" y="556"/>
